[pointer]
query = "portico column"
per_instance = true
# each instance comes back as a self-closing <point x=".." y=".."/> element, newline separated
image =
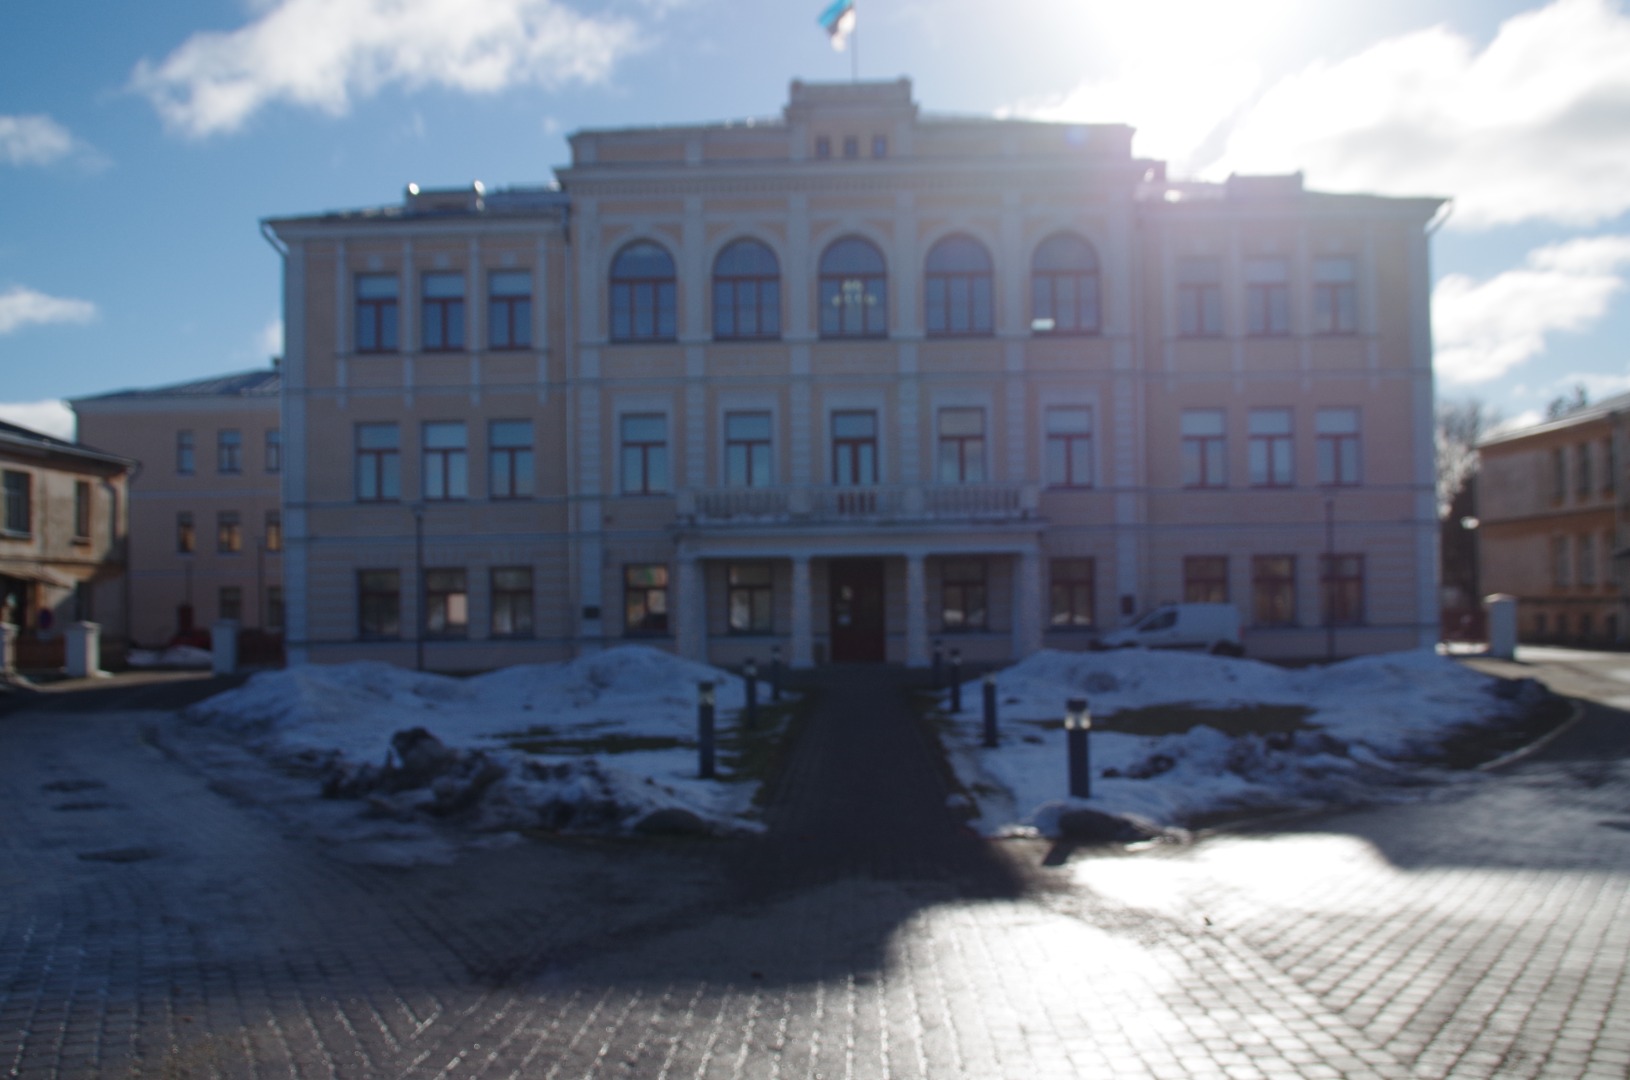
<point x="690" y="633"/>
<point x="916" y="611"/>
<point x="803" y="629"/>
<point x="1027" y="613"/>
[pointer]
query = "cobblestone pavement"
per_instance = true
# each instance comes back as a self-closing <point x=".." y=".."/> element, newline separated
<point x="153" y="926"/>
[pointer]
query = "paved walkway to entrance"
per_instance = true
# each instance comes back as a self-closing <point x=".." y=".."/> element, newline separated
<point x="863" y="795"/>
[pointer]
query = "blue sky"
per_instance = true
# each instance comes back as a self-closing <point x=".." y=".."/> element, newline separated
<point x="141" y="144"/>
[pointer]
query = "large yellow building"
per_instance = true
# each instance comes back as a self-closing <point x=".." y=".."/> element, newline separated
<point x="850" y="380"/>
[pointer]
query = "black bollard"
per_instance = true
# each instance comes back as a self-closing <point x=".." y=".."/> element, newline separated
<point x="956" y="680"/>
<point x="775" y="673"/>
<point x="990" y="712"/>
<point x="939" y="665"/>
<point x="1077" y="724"/>
<point x="749" y="671"/>
<point x="704" y="729"/>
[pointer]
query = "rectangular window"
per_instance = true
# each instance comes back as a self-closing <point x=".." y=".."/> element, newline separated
<point x="184" y="456"/>
<point x="509" y="450"/>
<point x="1273" y="590"/>
<point x="509" y="309"/>
<point x="645" y="454"/>
<point x="747" y="460"/>
<point x="1205" y="579"/>
<point x="1205" y="456"/>
<point x="851" y="147"/>
<point x="962" y="446"/>
<point x="645" y="598"/>
<point x="274" y="450"/>
<point x="752" y="598"/>
<point x="441" y="312"/>
<point x="274" y="530"/>
<point x="379" y="463"/>
<point x="229" y="603"/>
<point x="376" y="313"/>
<point x="19" y="503"/>
<point x="1199" y="298"/>
<point x="1336" y="431"/>
<point x="446" y="603"/>
<point x="379" y="604"/>
<point x="880" y="146"/>
<point x="1343" y="579"/>
<point x="512" y="601"/>
<point x="823" y="147"/>
<point x="1335" y="296"/>
<point x="274" y="607"/>
<point x="1561" y="562"/>
<point x="1559" y="474"/>
<point x="1270" y="450"/>
<point x="1582" y="481"/>
<point x="446" y="461"/>
<point x="854" y="448"/>
<point x="1071" y="593"/>
<point x="1069" y="447"/>
<point x="186" y="533"/>
<point x="1586" y="560"/>
<point x="228" y="532"/>
<point x="962" y="594"/>
<point x="229" y="451"/>
<point x="82" y="510"/>
<point x="1267" y="297"/>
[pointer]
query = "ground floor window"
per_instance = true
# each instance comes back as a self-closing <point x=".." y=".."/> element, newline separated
<point x="1343" y="580"/>
<point x="446" y="602"/>
<point x="1071" y="593"/>
<point x="274" y="607"/>
<point x="645" y="598"/>
<point x="229" y="603"/>
<point x="1273" y="587"/>
<point x="512" y="601"/>
<point x="379" y="603"/>
<point x="1205" y="579"/>
<point x="752" y="593"/>
<point x="962" y="595"/>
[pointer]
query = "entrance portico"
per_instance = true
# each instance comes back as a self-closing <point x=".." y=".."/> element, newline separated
<point x="857" y="598"/>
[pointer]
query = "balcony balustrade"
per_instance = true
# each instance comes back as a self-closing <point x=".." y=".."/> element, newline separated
<point x="876" y="504"/>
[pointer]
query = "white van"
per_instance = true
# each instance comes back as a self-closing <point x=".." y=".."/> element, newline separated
<point x="1214" y="628"/>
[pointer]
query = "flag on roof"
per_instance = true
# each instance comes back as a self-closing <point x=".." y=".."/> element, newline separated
<point x="838" y="20"/>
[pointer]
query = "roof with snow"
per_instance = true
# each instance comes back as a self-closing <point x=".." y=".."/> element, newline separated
<point x="262" y="382"/>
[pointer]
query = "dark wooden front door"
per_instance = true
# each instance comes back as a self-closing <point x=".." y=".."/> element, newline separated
<point x="857" y="611"/>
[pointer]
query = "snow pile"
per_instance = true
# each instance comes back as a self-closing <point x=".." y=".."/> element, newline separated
<point x="176" y="656"/>
<point x="1367" y="723"/>
<point x="348" y="721"/>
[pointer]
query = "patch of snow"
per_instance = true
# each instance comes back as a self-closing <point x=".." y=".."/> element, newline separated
<point x="176" y="656"/>
<point x="340" y="719"/>
<point x="1368" y="719"/>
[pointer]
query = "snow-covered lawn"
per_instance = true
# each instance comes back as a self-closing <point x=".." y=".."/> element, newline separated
<point x="596" y="744"/>
<point x="1350" y="731"/>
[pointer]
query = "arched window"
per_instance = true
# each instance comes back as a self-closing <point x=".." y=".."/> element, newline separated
<point x="958" y="288"/>
<point x="746" y="292"/>
<point x="642" y="293"/>
<point x="1064" y="286"/>
<point x="854" y="290"/>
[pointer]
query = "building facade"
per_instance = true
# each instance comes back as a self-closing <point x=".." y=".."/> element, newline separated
<point x="206" y="527"/>
<point x="1551" y="513"/>
<point x="850" y="380"/>
<point x="63" y="529"/>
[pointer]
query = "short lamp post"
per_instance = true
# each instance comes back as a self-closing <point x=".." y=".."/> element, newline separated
<point x="775" y="673"/>
<point x="749" y="671"/>
<point x="939" y="664"/>
<point x="1077" y="725"/>
<point x="704" y="729"/>
<point x="989" y="688"/>
<point x="956" y="680"/>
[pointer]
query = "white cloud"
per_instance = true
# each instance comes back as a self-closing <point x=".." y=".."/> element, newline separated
<point x="323" y="53"/>
<point x="1484" y="329"/>
<point x="49" y="417"/>
<point x="271" y="338"/>
<point x="40" y="140"/>
<point x="1533" y="127"/>
<point x="21" y="306"/>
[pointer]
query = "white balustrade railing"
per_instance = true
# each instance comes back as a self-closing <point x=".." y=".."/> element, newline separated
<point x="872" y="503"/>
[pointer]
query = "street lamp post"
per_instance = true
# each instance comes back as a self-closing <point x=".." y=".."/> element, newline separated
<point x="418" y="578"/>
<point x="1330" y="578"/>
<point x="1077" y="725"/>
